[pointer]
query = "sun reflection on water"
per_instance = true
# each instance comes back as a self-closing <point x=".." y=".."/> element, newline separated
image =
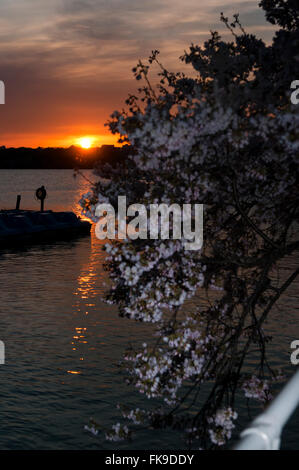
<point x="90" y="285"/>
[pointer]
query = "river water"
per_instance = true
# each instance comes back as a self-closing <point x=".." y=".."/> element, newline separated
<point x="63" y="343"/>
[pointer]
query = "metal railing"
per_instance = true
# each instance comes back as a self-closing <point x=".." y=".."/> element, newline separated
<point x="264" y="432"/>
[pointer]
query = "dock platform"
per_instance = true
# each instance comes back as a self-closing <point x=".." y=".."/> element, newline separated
<point x="20" y="227"/>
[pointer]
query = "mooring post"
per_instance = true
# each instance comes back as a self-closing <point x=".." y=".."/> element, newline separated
<point x="18" y="202"/>
<point x="41" y="195"/>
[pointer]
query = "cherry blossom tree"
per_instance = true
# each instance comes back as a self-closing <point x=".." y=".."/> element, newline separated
<point x="227" y="138"/>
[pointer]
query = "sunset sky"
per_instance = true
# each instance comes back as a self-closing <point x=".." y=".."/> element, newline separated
<point x="66" y="64"/>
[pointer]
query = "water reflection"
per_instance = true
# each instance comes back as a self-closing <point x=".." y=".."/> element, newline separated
<point x="92" y="278"/>
<point x="90" y="288"/>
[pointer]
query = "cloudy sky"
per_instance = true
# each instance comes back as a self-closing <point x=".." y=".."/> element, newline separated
<point x="66" y="64"/>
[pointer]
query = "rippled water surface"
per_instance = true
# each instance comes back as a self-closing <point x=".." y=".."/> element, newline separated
<point x="63" y="343"/>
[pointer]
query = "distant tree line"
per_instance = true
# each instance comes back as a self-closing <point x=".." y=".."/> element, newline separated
<point x="61" y="158"/>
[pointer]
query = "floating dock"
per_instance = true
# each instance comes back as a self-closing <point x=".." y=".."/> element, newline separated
<point x="22" y="227"/>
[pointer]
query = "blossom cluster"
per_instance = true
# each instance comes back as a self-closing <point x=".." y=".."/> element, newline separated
<point x="181" y="357"/>
<point x="222" y="425"/>
<point x="118" y="432"/>
<point x="257" y="388"/>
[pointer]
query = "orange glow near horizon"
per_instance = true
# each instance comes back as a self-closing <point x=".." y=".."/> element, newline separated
<point x="34" y="141"/>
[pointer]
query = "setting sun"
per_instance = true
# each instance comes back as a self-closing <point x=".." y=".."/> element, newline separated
<point x="85" y="142"/>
